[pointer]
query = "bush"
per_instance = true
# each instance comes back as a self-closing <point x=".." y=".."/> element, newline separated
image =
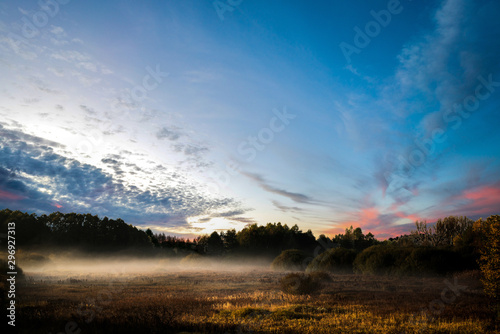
<point x="335" y="260"/>
<point x="299" y="284"/>
<point x="427" y="260"/>
<point x="381" y="259"/>
<point x="290" y="260"/>
<point x="391" y="260"/>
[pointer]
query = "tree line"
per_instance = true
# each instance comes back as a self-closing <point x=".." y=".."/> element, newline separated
<point x="93" y="234"/>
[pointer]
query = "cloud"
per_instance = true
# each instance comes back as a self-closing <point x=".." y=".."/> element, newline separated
<point x="245" y="220"/>
<point x="437" y="71"/>
<point x="284" y="208"/>
<point x="296" y="197"/>
<point x="88" y="110"/>
<point x="34" y="177"/>
<point x="474" y="202"/>
<point x="194" y="150"/>
<point x="8" y="196"/>
<point x="443" y="66"/>
<point x="56" y="71"/>
<point x="42" y="85"/>
<point x="169" y="133"/>
<point x="229" y="213"/>
<point x="87" y="66"/>
<point x="70" y="56"/>
<point x="59" y="31"/>
<point x="15" y="136"/>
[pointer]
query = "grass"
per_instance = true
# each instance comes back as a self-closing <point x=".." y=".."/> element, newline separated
<point x="249" y="302"/>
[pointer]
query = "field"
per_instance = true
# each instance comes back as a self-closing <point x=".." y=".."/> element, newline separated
<point x="249" y="301"/>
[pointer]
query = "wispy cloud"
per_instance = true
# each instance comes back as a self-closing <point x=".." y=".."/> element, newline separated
<point x="296" y="197"/>
<point x="284" y="208"/>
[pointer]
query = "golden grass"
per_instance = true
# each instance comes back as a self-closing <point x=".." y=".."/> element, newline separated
<point x="249" y="302"/>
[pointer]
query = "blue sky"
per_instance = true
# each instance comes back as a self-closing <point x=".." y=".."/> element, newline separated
<point x="193" y="116"/>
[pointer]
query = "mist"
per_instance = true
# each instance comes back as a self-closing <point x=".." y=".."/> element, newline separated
<point x="76" y="263"/>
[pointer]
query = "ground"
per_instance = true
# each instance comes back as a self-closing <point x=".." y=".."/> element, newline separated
<point x="249" y="301"/>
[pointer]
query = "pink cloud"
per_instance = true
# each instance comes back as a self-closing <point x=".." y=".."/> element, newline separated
<point x="369" y="214"/>
<point x="5" y="195"/>
<point x="479" y="201"/>
<point x="483" y="200"/>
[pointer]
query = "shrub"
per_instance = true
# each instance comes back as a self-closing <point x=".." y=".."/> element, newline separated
<point x="290" y="260"/>
<point x="320" y="276"/>
<point x="335" y="260"/>
<point x="428" y="260"/>
<point x="299" y="284"/>
<point x="381" y="259"/>
<point x="391" y="260"/>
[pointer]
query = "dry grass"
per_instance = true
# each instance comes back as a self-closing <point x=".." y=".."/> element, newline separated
<point x="250" y="302"/>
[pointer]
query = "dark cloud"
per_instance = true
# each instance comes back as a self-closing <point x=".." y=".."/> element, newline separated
<point x="18" y="137"/>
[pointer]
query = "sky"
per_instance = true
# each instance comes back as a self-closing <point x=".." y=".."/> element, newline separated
<point x="193" y="116"/>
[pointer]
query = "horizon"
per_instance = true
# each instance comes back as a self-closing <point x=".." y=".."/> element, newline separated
<point x="192" y="237"/>
<point x="188" y="118"/>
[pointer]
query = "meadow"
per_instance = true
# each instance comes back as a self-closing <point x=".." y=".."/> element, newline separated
<point x="248" y="300"/>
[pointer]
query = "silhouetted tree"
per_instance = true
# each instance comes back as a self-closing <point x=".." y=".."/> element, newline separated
<point x="442" y="233"/>
<point x="215" y="245"/>
<point x="230" y="240"/>
<point x="153" y="238"/>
